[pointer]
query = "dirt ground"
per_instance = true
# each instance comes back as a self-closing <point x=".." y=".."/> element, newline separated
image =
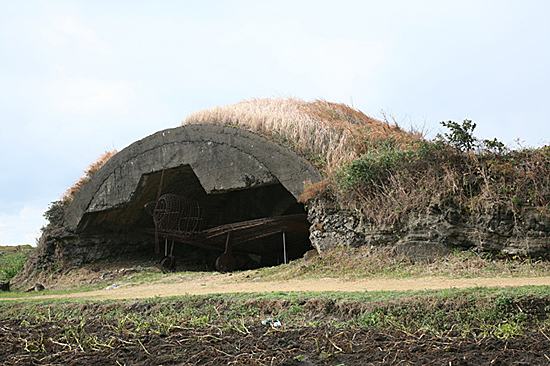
<point x="63" y="343"/>
<point x="264" y="345"/>
<point x="213" y="282"/>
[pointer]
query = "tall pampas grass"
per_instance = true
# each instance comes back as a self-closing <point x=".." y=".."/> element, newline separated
<point x="71" y="192"/>
<point x="328" y="134"/>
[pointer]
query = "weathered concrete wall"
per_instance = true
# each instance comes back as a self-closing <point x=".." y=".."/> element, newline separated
<point x="250" y="175"/>
<point x="223" y="159"/>
<point x="433" y="231"/>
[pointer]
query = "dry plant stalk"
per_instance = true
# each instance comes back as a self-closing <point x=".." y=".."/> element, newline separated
<point x="70" y="193"/>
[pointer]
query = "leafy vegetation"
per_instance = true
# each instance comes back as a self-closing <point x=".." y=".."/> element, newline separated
<point x="461" y="136"/>
<point x="392" y="180"/>
<point x="12" y="260"/>
<point x="484" y="312"/>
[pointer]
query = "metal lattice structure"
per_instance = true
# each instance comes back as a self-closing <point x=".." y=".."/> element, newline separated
<point x="177" y="214"/>
<point x="185" y="220"/>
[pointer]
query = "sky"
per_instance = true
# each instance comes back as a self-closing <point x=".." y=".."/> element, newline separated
<point x="78" y="78"/>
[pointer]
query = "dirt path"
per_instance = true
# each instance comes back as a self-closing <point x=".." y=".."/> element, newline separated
<point x="224" y="283"/>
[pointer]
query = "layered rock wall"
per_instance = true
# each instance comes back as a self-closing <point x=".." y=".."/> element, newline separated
<point x="433" y="231"/>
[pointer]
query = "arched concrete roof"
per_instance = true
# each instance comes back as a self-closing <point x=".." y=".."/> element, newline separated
<point x="222" y="158"/>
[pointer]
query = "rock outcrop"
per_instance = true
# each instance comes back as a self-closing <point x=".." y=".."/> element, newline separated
<point x="433" y="231"/>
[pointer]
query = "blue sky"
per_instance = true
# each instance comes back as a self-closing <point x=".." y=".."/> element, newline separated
<point x="80" y="77"/>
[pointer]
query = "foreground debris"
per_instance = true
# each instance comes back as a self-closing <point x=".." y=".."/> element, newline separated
<point x="46" y="344"/>
<point x="5" y="286"/>
<point x="471" y="328"/>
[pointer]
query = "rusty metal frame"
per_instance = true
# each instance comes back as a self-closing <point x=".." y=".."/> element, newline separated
<point x="185" y="220"/>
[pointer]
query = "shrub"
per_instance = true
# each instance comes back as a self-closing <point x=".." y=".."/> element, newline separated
<point x="462" y="138"/>
<point x="387" y="183"/>
<point x="461" y="135"/>
<point x="11" y="262"/>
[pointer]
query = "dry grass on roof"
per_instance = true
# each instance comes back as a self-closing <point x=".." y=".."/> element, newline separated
<point x="329" y="134"/>
<point x="71" y="192"/>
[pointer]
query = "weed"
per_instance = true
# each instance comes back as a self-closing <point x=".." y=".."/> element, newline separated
<point x="12" y="260"/>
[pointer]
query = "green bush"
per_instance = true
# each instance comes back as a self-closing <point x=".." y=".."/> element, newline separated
<point x="461" y="136"/>
<point x="54" y="215"/>
<point x="11" y="262"/>
<point x="392" y="179"/>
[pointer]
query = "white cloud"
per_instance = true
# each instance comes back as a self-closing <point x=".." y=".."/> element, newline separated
<point x="66" y="30"/>
<point x="89" y="95"/>
<point x="21" y="227"/>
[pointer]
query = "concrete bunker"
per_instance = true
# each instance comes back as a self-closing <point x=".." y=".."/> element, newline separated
<point x="244" y="182"/>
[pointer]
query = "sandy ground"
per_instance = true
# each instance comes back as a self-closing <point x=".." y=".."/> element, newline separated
<point x="226" y="283"/>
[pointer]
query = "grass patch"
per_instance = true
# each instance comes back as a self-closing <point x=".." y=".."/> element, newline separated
<point x="12" y="259"/>
<point x="345" y="263"/>
<point x="375" y="262"/>
<point x="480" y="312"/>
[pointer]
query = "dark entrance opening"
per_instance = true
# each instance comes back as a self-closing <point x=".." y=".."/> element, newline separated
<point x="254" y="220"/>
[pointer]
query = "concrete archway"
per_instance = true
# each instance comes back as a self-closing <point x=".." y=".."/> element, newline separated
<point x="247" y="176"/>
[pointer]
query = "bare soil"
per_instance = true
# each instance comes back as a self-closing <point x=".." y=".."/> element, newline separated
<point x="258" y="344"/>
<point x="266" y="346"/>
<point x="53" y="343"/>
<point x="127" y="285"/>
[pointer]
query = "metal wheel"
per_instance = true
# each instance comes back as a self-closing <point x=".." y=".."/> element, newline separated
<point x="167" y="263"/>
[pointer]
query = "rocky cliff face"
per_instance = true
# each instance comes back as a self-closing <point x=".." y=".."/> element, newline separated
<point x="433" y="231"/>
<point x="62" y="249"/>
<point x="425" y="234"/>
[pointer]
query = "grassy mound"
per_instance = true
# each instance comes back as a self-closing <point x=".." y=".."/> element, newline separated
<point x="385" y="172"/>
<point x="377" y="168"/>
<point x="328" y="134"/>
